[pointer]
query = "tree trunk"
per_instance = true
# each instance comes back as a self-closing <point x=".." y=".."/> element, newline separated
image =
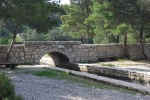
<point x="87" y="34"/>
<point x="86" y="16"/>
<point x="83" y="40"/>
<point x="143" y="52"/>
<point x="11" y="45"/>
<point x="142" y="40"/>
<point x="117" y="39"/>
<point x="125" y="46"/>
<point x="141" y="33"/>
<point x="108" y="38"/>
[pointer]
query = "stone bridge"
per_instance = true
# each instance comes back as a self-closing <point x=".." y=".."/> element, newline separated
<point x="69" y="51"/>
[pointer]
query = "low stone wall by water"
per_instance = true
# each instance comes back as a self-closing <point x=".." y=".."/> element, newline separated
<point x="116" y="73"/>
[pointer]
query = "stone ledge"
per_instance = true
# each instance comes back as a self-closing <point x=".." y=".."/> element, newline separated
<point x="115" y="73"/>
<point x="30" y="43"/>
<point x="119" y="83"/>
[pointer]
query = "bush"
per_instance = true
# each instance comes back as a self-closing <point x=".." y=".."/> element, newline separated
<point x="7" y="91"/>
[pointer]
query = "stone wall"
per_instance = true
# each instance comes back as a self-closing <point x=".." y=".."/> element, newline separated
<point x="135" y="50"/>
<point x="136" y="77"/>
<point x="91" y="52"/>
<point x="16" y="52"/>
<point x="33" y="51"/>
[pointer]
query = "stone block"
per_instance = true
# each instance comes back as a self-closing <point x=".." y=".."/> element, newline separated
<point x="57" y="42"/>
<point x="26" y="49"/>
<point x="36" y="56"/>
<point x="61" y="46"/>
<point x="11" y="54"/>
<point x="3" y="54"/>
<point x="21" y="54"/>
<point x="16" y="54"/>
<point x="22" y="58"/>
<point x="77" y="59"/>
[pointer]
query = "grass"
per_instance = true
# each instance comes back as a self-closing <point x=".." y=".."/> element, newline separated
<point x="107" y="65"/>
<point x="120" y="60"/>
<point x="76" y="79"/>
<point x="124" y="59"/>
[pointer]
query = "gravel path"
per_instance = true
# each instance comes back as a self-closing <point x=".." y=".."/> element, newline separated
<point x="42" y="88"/>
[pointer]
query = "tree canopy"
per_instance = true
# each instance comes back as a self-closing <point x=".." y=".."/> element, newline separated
<point x="74" y="21"/>
<point x="103" y="21"/>
<point x="121" y="17"/>
<point x="36" y="14"/>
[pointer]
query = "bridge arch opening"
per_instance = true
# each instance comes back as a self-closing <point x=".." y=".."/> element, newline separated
<point x="54" y="59"/>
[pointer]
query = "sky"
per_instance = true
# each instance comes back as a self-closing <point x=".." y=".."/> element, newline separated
<point x="65" y="2"/>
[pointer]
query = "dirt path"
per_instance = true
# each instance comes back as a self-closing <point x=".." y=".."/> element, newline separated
<point x="41" y="88"/>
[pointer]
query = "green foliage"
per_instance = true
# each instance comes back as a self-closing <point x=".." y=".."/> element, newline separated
<point x="31" y="35"/>
<point x="121" y="60"/>
<point x="4" y="34"/>
<point x="148" y="40"/>
<point x="4" y="40"/>
<point x="131" y="38"/>
<point x="57" y="34"/>
<point x="115" y="17"/>
<point x="120" y="29"/>
<point x="74" y="23"/>
<point x="99" y="40"/>
<point x="35" y="19"/>
<point x="101" y="21"/>
<point x="7" y="89"/>
<point x="23" y="11"/>
<point x="38" y="15"/>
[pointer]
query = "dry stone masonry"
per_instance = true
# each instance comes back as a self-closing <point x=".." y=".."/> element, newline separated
<point x="74" y="51"/>
<point x="137" y="77"/>
<point x="16" y="52"/>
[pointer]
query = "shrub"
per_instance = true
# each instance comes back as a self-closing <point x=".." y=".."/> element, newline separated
<point x="7" y="91"/>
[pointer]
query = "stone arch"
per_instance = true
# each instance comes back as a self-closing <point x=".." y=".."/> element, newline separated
<point x="57" y="57"/>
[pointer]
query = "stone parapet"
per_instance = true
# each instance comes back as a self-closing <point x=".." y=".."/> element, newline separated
<point x="29" y="43"/>
<point x="33" y="51"/>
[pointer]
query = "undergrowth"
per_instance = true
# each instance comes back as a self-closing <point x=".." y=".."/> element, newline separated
<point x="7" y="91"/>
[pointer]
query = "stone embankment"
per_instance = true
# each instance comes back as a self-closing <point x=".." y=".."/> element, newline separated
<point x="137" y="77"/>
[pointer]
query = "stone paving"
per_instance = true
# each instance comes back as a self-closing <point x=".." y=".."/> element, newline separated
<point x="41" y="88"/>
